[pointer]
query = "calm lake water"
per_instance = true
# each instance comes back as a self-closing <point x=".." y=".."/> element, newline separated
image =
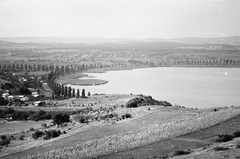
<point x="189" y="87"/>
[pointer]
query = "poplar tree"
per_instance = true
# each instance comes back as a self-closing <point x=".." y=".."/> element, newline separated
<point x="78" y="94"/>
<point x="69" y="92"/>
<point x="65" y="92"/>
<point x="73" y="94"/>
<point x="83" y="93"/>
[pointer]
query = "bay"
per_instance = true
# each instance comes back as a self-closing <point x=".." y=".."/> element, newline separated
<point x="189" y="87"/>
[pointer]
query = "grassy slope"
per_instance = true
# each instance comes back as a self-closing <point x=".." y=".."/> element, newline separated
<point x="17" y="126"/>
<point x="160" y="115"/>
<point x="193" y="140"/>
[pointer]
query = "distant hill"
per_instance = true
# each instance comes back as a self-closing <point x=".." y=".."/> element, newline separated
<point x="6" y="44"/>
<point x="123" y="44"/>
<point x="232" y="40"/>
<point x="86" y="40"/>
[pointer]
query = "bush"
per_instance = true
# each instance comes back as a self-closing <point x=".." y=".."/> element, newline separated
<point x="3" y="137"/>
<point x="132" y="105"/>
<point x="51" y="134"/>
<point x="3" y="101"/>
<point x="59" y="119"/>
<point x="21" y="137"/>
<point x="44" y="125"/>
<point x="221" y="148"/>
<point x="127" y="115"/>
<point x="5" y="142"/>
<point x="37" y="134"/>
<point x="236" y="134"/>
<point x="181" y="152"/>
<point x="224" y="138"/>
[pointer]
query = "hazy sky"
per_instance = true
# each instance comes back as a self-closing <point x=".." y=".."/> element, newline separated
<point x="120" y="18"/>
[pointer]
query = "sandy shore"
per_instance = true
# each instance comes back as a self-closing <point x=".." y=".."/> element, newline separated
<point x="75" y="79"/>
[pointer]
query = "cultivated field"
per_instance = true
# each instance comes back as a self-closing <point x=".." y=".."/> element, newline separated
<point x="197" y="141"/>
<point x="141" y="117"/>
<point x="144" y="135"/>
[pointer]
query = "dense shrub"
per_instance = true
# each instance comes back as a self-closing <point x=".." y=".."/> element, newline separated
<point x="51" y="134"/>
<point x="25" y="115"/>
<point x="132" y="105"/>
<point x="61" y="118"/>
<point x="144" y="101"/>
<point x="181" y="152"/>
<point x="127" y="115"/>
<point x="21" y="137"/>
<point x="3" y="101"/>
<point x="224" y="138"/>
<point x="3" y="137"/>
<point x="44" y="125"/>
<point x="81" y="118"/>
<point x="5" y="142"/>
<point x="236" y="134"/>
<point x="24" y="90"/>
<point x="220" y="148"/>
<point x="37" y="134"/>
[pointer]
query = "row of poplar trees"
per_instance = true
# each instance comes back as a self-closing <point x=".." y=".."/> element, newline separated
<point x="65" y="91"/>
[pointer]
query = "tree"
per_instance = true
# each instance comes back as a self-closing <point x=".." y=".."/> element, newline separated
<point x="83" y="93"/>
<point x="3" y="101"/>
<point x="24" y="90"/>
<point x="69" y="92"/>
<point x="73" y="94"/>
<point x="62" y="90"/>
<point x="65" y="92"/>
<point x="78" y="94"/>
<point x="59" y="119"/>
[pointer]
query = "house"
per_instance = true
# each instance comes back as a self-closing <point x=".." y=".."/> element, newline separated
<point x="5" y="95"/>
<point x="35" y="94"/>
<point x="24" y="98"/>
<point x="10" y="97"/>
<point x="38" y="103"/>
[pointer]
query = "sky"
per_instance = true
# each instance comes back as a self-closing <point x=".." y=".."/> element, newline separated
<point x="120" y="18"/>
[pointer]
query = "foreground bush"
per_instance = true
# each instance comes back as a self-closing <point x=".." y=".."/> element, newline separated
<point x="5" y="142"/>
<point x="181" y="152"/>
<point x="142" y="136"/>
<point x="236" y="134"/>
<point x="221" y="148"/>
<point x="224" y="138"/>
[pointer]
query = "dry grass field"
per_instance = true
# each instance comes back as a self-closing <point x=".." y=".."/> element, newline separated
<point x="18" y="126"/>
<point x="141" y="117"/>
<point x="199" y="140"/>
<point x="141" y="136"/>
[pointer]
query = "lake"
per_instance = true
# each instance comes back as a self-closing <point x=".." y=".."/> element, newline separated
<point x="189" y="87"/>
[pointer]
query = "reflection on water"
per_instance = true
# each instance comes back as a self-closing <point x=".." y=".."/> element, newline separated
<point x="190" y="87"/>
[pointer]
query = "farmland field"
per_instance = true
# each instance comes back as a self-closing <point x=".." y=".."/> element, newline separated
<point x="157" y="115"/>
<point x="193" y="140"/>
<point x="18" y="126"/>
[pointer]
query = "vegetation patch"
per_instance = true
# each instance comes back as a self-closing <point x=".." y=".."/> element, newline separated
<point x="224" y="138"/>
<point x="220" y="148"/>
<point x="142" y="136"/>
<point x="181" y="152"/>
<point x="144" y="101"/>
